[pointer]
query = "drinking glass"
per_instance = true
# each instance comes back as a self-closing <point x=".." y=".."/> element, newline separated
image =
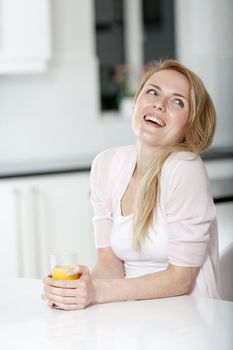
<point x="61" y="264"/>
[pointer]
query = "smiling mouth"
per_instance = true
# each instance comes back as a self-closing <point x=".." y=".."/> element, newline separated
<point x="154" y="121"/>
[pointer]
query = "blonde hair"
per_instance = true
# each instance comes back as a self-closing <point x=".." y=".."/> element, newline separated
<point x="198" y="137"/>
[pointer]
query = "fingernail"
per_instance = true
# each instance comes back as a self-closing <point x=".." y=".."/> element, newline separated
<point x="73" y="271"/>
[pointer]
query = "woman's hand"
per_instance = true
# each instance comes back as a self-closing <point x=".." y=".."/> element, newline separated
<point x="70" y="294"/>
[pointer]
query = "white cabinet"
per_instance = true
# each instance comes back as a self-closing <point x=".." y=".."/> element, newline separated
<point x="24" y="35"/>
<point x="41" y="215"/>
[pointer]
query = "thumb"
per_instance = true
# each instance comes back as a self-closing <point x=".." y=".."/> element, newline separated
<point x="81" y="269"/>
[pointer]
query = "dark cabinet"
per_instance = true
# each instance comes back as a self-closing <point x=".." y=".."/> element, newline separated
<point x="157" y="18"/>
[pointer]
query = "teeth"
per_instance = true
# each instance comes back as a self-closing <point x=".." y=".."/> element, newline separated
<point x="154" y="119"/>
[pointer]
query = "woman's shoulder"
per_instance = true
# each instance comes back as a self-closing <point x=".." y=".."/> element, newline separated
<point x="184" y="163"/>
<point x="184" y="158"/>
<point x="111" y="164"/>
<point x="115" y="154"/>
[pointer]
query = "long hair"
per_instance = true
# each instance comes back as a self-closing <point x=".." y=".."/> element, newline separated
<point x="198" y="137"/>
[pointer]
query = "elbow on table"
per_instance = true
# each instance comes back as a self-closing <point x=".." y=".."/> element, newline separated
<point x="182" y="288"/>
<point x="184" y="278"/>
<point x="188" y="286"/>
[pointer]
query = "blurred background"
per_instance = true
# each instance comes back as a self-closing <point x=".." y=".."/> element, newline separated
<point x="68" y="71"/>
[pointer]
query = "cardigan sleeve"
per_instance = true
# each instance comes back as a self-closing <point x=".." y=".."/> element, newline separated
<point x="101" y="198"/>
<point x="190" y="211"/>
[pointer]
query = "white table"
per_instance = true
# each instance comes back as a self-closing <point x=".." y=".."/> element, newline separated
<point x="170" y="323"/>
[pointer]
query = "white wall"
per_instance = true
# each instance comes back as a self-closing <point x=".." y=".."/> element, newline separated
<point x="204" y="42"/>
<point x="56" y="114"/>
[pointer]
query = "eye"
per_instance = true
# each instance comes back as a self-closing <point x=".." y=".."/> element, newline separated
<point x="152" y="92"/>
<point x="179" y="102"/>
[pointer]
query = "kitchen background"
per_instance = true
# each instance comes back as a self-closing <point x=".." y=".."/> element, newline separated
<point x="64" y="66"/>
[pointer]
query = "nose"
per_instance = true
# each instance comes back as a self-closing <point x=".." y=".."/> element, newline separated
<point x="159" y="105"/>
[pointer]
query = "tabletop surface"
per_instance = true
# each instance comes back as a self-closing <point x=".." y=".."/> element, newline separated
<point x="170" y="323"/>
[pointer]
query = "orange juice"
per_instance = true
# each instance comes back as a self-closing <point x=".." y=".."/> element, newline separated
<point x="60" y="273"/>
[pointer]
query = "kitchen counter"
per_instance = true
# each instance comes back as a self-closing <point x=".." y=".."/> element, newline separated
<point x="216" y="153"/>
<point x="75" y="164"/>
<point x="45" y="167"/>
<point x="219" y="164"/>
<point x="170" y="323"/>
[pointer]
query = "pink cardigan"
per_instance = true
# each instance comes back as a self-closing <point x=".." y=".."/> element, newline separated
<point x="186" y="205"/>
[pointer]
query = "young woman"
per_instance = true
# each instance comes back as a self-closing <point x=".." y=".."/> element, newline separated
<point x="155" y="225"/>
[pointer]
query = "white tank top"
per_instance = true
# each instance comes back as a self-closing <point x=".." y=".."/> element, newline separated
<point x="153" y="256"/>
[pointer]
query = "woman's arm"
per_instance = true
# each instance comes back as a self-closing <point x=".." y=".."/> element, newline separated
<point x="77" y="294"/>
<point x="173" y="281"/>
<point x="108" y="265"/>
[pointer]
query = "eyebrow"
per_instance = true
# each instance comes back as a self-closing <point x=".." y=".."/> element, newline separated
<point x="174" y="94"/>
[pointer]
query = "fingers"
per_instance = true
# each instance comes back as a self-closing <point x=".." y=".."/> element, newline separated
<point x="55" y="293"/>
<point x="57" y="299"/>
<point x="66" y="292"/>
<point x="77" y="302"/>
<point x="66" y="298"/>
<point x="61" y="283"/>
<point x="69" y="294"/>
<point x="81" y="269"/>
<point x="67" y="307"/>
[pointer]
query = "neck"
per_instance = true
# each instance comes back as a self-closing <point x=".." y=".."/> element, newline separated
<point x="145" y="156"/>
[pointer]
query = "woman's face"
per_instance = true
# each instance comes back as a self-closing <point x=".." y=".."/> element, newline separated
<point x="162" y="109"/>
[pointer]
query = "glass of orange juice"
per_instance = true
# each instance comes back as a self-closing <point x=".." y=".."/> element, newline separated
<point x="61" y="264"/>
